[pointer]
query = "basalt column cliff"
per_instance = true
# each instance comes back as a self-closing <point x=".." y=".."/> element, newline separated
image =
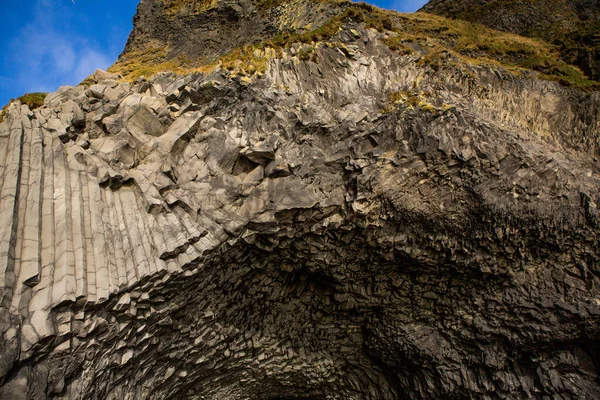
<point x="268" y="200"/>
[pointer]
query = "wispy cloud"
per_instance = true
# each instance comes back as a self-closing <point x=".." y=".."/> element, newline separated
<point x="47" y="54"/>
<point x="408" y="5"/>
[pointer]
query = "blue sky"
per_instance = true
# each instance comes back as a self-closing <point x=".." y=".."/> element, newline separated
<point x="48" y="43"/>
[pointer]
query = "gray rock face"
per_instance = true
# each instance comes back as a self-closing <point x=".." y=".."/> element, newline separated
<point x="301" y="237"/>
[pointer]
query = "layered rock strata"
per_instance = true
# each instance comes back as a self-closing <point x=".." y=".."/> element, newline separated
<point x="361" y="227"/>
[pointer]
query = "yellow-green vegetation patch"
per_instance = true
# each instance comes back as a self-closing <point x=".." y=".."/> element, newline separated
<point x="399" y="43"/>
<point x="265" y="4"/>
<point x="472" y="42"/>
<point x="572" y="26"/>
<point x="307" y="53"/>
<point x="478" y="44"/>
<point x="438" y="36"/>
<point x="89" y="81"/>
<point x="176" y="7"/>
<point x="321" y="34"/>
<point x="173" y="7"/>
<point x="32" y="100"/>
<point x="244" y="61"/>
<point x="415" y="99"/>
<point x="147" y="63"/>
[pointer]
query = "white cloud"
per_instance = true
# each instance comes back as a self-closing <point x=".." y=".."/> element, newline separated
<point x="47" y="53"/>
<point x="88" y="61"/>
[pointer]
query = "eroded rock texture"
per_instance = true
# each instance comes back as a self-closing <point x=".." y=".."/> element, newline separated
<point x="302" y="237"/>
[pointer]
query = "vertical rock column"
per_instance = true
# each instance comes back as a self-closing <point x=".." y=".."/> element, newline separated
<point x="27" y="244"/>
<point x="12" y="139"/>
<point x="31" y="249"/>
<point x="64" y="286"/>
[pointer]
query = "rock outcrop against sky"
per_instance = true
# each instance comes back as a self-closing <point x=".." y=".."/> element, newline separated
<point x="328" y="202"/>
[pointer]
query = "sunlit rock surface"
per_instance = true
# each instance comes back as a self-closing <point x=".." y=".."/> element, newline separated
<point x="301" y="236"/>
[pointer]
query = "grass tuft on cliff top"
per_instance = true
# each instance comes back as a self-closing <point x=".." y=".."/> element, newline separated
<point x="471" y="42"/>
<point x="32" y="100"/>
<point x="476" y="44"/>
<point x="246" y="60"/>
<point x="176" y="7"/>
<point x="572" y="25"/>
<point x="173" y="7"/>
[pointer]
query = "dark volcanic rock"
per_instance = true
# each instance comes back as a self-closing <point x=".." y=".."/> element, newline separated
<point x="300" y="236"/>
<point x="573" y="25"/>
<point x="207" y="29"/>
